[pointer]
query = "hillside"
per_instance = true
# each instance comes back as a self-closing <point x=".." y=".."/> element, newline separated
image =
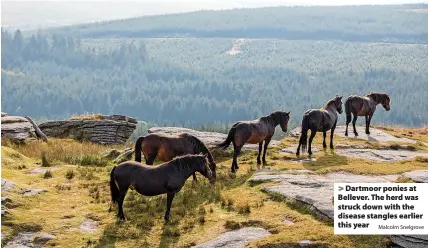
<point x="64" y="199"/>
<point x="223" y="66"/>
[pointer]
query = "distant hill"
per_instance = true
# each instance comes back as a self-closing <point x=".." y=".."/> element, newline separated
<point x="390" y="23"/>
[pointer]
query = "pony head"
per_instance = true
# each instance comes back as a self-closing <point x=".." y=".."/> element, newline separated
<point x="204" y="168"/>
<point x="338" y="103"/>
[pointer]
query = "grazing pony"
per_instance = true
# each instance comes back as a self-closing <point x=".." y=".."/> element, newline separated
<point x="166" y="178"/>
<point x="166" y="147"/>
<point x="364" y="106"/>
<point x="254" y="132"/>
<point x="320" y="120"/>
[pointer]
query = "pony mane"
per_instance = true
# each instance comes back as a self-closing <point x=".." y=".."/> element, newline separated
<point x="182" y="162"/>
<point x="198" y="145"/>
<point x="378" y="96"/>
<point x="330" y="102"/>
<point x="274" y="117"/>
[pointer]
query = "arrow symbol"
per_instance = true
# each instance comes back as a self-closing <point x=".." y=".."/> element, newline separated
<point x="340" y="188"/>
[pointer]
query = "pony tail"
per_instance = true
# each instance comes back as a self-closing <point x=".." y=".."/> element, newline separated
<point x="225" y="144"/>
<point x="348" y="110"/>
<point x="113" y="188"/>
<point x="137" y="149"/>
<point x="304" y="136"/>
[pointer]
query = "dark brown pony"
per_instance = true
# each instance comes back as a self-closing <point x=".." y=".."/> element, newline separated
<point x="166" y="147"/>
<point x="254" y="132"/>
<point x="364" y="106"/>
<point x="320" y="120"/>
<point x="166" y="178"/>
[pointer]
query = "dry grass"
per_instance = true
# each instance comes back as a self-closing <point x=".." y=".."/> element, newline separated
<point x="199" y="212"/>
<point x="64" y="151"/>
<point x="87" y="117"/>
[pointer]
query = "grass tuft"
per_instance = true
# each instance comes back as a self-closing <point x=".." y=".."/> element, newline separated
<point x="47" y="175"/>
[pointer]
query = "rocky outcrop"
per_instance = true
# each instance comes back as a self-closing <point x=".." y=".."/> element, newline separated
<point x="111" y="129"/>
<point x="316" y="191"/>
<point x="209" y="138"/>
<point x="16" y="128"/>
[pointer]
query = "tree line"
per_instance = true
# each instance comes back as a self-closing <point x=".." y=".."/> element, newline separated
<point x="194" y="82"/>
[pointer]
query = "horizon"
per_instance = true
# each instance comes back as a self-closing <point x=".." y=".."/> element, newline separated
<point x="31" y="14"/>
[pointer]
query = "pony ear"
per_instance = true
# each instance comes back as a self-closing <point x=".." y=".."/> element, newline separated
<point x="288" y="113"/>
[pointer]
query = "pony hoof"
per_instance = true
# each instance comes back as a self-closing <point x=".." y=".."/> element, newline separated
<point x="259" y="162"/>
<point x="356" y="134"/>
<point x="346" y="134"/>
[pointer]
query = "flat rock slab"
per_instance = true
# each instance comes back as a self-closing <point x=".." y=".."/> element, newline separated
<point x="293" y="149"/>
<point x="382" y="155"/>
<point x="31" y="192"/>
<point x="410" y="241"/>
<point x="89" y="226"/>
<point x="316" y="190"/>
<point x="375" y="135"/>
<point x="236" y="239"/>
<point x="7" y="185"/>
<point x="23" y="240"/>
<point x="42" y="170"/>
<point x="419" y="176"/>
<point x="209" y="138"/>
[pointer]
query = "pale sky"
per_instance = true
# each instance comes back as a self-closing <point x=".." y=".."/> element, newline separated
<point x="31" y="14"/>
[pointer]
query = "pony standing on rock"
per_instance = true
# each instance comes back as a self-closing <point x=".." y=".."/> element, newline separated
<point x="254" y="132"/>
<point x="320" y="120"/>
<point x="166" y="178"/>
<point x="364" y="106"/>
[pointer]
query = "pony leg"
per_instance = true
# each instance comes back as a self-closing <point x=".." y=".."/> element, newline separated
<point x="298" y="147"/>
<point x="313" y="133"/>
<point x="260" y="151"/>
<point x="367" y="123"/>
<point x="324" y="134"/>
<point x="331" y="135"/>
<point x="368" y="120"/>
<point x="169" y="198"/>
<point x="120" y="213"/>
<point x="353" y="124"/>
<point x="348" y="120"/>
<point x="267" y="141"/>
<point x="235" y="158"/>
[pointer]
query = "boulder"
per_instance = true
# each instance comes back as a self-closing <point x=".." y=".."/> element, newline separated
<point x="7" y="185"/>
<point x="111" y="129"/>
<point x="17" y="128"/>
<point x="124" y="156"/>
<point x="209" y="138"/>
